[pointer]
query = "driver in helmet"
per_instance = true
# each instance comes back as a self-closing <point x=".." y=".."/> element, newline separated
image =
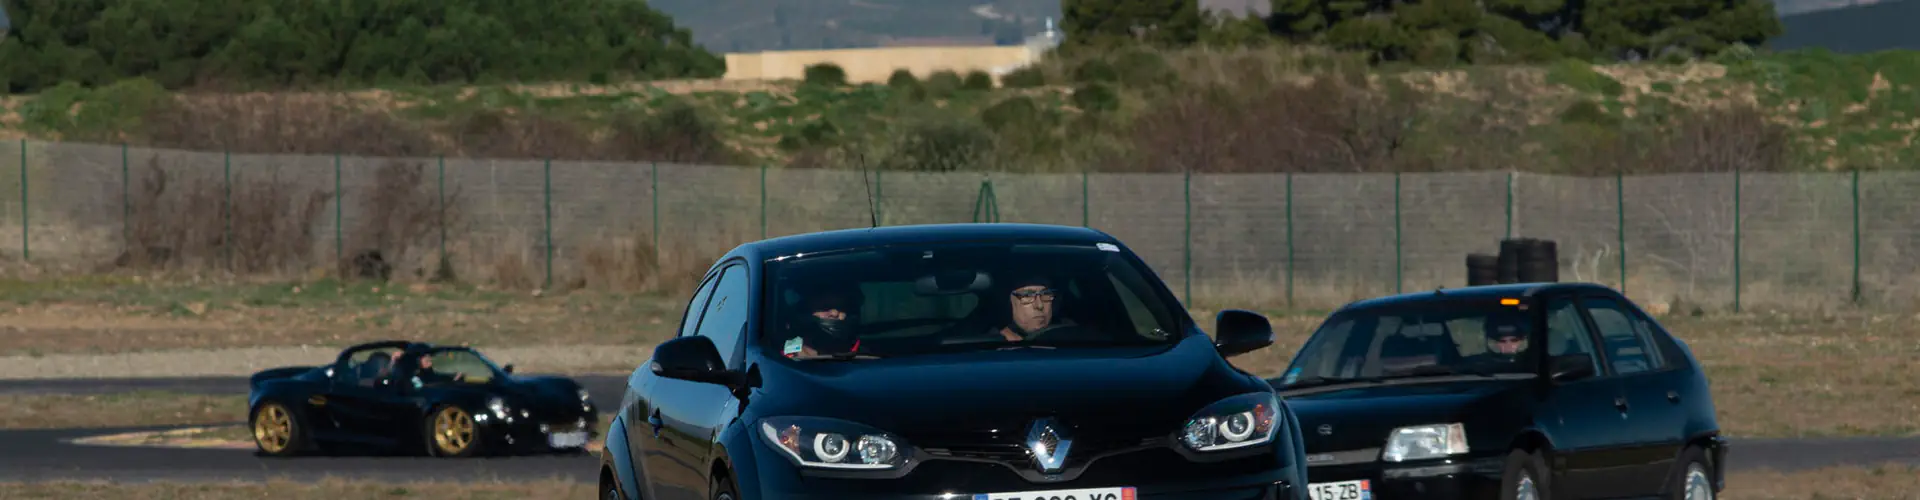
<point x="826" y="322"/>
<point x="1506" y="339"/>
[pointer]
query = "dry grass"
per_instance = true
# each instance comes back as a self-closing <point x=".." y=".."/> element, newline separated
<point x="327" y="489"/>
<point x="134" y="409"/>
<point x="1859" y="482"/>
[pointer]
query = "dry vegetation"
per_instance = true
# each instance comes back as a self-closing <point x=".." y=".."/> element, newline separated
<point x="132" y="409"/>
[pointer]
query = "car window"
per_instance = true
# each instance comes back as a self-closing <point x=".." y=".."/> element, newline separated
<point x="691" y="319"/>
<point x="726" y="313"/>
<point x="1425" y="337"/>
<point x="1566" y="333"/>
<point x="1629" y="349"/>
<point x="921" y="299"/>
<point x="366" y="367"/>
<point x="469" y="367"/>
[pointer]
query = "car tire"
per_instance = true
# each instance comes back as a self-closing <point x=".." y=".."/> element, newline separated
<point x="1693" y="477"/>
<point x="278" y="430"/>
<point x="450" y="432"/>
<point x="1524" y="471"/>
<point x="724" y="488"/>
<point x="610" y="488"/>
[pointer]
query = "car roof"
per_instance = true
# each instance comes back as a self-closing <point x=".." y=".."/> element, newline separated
<point x="1489" y="292"/>
<point x="844" y="239"/>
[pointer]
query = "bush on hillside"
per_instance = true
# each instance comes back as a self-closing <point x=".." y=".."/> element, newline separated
<point x="296" y="43"/>
<point x="978" y="80"/>
<point x="825" y="74"/>
<point x="1024" y="78"/>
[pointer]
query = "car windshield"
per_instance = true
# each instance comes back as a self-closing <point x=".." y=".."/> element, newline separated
<point x="909" y="300"/>
<point x="459" y="364"/>
<point x="1431" y="337"/>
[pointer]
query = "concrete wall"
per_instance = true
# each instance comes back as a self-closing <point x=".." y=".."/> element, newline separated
<point x="876" y="64"/>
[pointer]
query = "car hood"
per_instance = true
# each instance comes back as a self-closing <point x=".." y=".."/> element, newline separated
<point x="1361" y="417"/>
<point x="992" y="397"/>
<point x="540" y="391"/>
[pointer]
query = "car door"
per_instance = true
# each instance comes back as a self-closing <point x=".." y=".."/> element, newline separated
<point x="1580" y="414"/>
<point x="647" y="442"/>
<point x="359" y="398"/>
<point x="1655" y="433"/>
<point x="692" y="413"/>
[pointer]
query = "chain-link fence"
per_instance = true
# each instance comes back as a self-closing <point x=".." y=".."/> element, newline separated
<point x="1306" y="240"/>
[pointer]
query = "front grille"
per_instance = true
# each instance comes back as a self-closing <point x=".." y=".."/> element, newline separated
<point x="564" y="426"/>
<point x="1016" y="454"/>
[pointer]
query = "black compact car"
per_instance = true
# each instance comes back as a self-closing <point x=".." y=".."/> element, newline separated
<point x="1541" y="390"/>
<point x="974" y="361"/>
<point x="445" y="401"/>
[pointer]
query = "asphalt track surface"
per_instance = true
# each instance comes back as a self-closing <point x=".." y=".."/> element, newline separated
<point x="45" y="455"/>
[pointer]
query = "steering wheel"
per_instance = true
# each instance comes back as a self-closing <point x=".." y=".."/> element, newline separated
<point x="1055" y="327"/>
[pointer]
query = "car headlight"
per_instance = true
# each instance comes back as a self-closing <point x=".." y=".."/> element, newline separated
<point x="1236" y="422"/>
<point x="1425" y="441"/>
<point x="497" y="406"/>
<point x="583" y="395"/>
<point x="834" y="444"/>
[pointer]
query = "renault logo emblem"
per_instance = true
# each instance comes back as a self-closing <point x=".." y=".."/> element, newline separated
<point x="1326" y="429"/>
<point x="1048" y="442"/>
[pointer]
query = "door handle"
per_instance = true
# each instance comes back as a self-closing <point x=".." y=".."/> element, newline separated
<point x="1673" y="396"/>
<point x="1620" y="402"/>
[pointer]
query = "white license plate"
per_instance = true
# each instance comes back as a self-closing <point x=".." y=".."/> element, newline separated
<point x="1344" y="490"/>
<point x="1123" y="493"/>
<point x="567" y="439"/>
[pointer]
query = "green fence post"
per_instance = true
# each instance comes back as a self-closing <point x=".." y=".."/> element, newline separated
<point x="1086" y="201"/>
<point x="763" y="201"/>
<point x="126" y="202"/>
<point x="1736" y="240"/>
<point x="546" y="194"/>
<point x="339" y="247"/>
<point x="656" y="207"/>
<point x="1620" y="212"/>
<point x="1187" y="242"/>
<point x="442" y="204"/>
<point x="1856" y="236"/>
<point x="226" y="207"/>
<point x="1399" y="282"/>
<point x="26" y="243"/>
<point x="1290" y="239"/>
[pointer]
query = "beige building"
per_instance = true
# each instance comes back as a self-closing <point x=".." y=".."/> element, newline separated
<point x="875" y="64"/>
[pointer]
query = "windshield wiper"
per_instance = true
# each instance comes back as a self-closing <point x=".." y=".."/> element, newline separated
<point x="839" y="356"/>
<point x="1317" y="380"/>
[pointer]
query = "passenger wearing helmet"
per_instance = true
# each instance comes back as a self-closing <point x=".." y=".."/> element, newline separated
<point x="826" y="321"/>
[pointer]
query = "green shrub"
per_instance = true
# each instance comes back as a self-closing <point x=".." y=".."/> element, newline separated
<point x="1024" y="78"/>
<point x="943" y="84"/>
<point x="901" y="78"/>
<point x="1095" y="70"/>
<point x="1096" y="98"/>
<point x="1580" y="76"/>
<point x="825" y="74"/>
<point x="978" y="80"/>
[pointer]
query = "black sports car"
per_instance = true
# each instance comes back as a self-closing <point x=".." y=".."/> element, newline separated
<point x="1541" y="390"/>
<point x="977" y="361"/>
<point x="447" y="401"/>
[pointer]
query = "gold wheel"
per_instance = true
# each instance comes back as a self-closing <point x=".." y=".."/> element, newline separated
<point x="452" y="430"/>
<point x="273" y="428"/>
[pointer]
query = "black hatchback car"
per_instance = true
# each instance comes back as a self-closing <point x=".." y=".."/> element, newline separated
<point x="963" y="361"/>
<point x="1542" y="390"/>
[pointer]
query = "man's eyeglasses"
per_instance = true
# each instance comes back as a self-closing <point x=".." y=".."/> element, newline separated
<point x="1029" y="296"/>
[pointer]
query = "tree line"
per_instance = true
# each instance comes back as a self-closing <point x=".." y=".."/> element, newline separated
<point x="301" y="43"/>
<point x="1443" y="32"/>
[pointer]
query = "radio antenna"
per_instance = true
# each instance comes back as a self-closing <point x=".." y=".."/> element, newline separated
<point x="873" y="210"/>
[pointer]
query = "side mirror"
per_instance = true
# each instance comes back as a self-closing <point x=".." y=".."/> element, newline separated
<point x="692" y="358"/>
<point x="508" y="368"/>
<point x="1238" y="331"/>
<point x="1568" y="367"/>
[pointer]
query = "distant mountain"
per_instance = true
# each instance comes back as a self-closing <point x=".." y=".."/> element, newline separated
<point x="1785" y="8"/>
<point x="1888" y="24"/>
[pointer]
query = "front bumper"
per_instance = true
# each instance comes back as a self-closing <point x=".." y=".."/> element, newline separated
<point x="1154" y="473"/>
<point x="527" y="432"/>
<point x="1467" y="477"/>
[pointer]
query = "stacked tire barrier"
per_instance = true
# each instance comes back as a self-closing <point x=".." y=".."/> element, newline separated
<point x="1521" y="260"/>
